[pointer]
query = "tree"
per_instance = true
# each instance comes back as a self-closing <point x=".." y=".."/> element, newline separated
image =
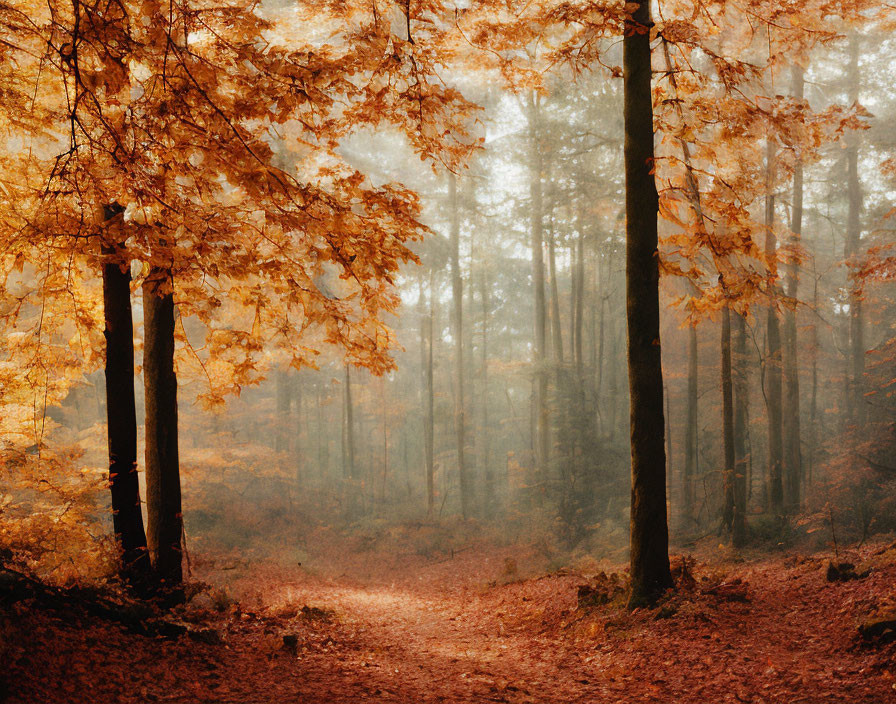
<point x="163" y="495"/>
<point x="773" y="353"/>
<point x="855" y="404"/>
<point x="792" y="460"/>
<point x="127" y="512"/>
<point x="541" y="429"/>
<point x="650" y="573"/>
<point x="457" y="328"/>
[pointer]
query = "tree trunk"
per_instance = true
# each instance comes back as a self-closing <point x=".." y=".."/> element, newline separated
<point x="457" y="292"/>
<point x="348" y="428"/>
<point x="728" y="422"/>
<point x="690" y="441"/>
<point x="485" y="434"/>
<point x="300" y="422"/>
<point x="856" y="371"/>
<point x="773" y="357"/>
<point x="792" y="469"/>
<point x="650" y="574"/>
<point x="163" y="500"/>
<point x="556" y="328"/>
<point x="540" y="406"/>
<point x="127" y="512"/>
<point x="813" y="394"/>
<point x="741" y="421"/>
<point x="427" y="386"/>
<point x="579" y="303"/>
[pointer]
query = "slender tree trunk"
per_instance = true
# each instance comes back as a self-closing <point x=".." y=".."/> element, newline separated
<point x="773" y="358"/>
<point x="613" y="382"/>
<point x="650" y="574"/>
<point x="813" y="395"/>
<point x="163" y="497"/>
<point x="792" y="469"/>
<point x="741" y="421"/>
<point x="690" y="441"/>
<point x="485" y="434"/>
<point x="427" y="393"/>
<point x="556" y="328"/>
<point x="728" y="421"/>
<point x="690" y="470"/>
<point x="856" y="371"/>
<point x="669" y="468"/>
<point x="579" y="306"/>
<point x="323" y="438"/>
<point x="127" y="512"/>
<point x="458" y="334"/>
<point x="599" y="384"/>
<point x="540" y="390"/>
<point x="348" y="428"/>
<point x="299" y="426"/>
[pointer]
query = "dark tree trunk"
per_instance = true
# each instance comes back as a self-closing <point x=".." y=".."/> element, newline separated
<point x="690" y="441"/>
<point x="650" y="574"/>
<point x="773" y="389"/>
<point x="728" y="421"/>
<point x="741" y="422"/>
<point x="813" y="393"/>
<point x="791" y="393"/>
<point x="163" y="501"/>
<point x="127" y="512"/>
<point x="457" y="292"/>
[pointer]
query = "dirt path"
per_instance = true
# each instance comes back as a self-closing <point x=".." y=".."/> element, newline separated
<point x="445" y="634"/>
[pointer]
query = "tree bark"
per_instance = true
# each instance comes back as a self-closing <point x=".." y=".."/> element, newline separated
<point x="457" y="320"/>
<point x="579" y="303"/>
<point x="792" y="469"/>
<point x="856" y="363"/>
<point x="773" y="358"/>
<point x="728" y="422"/>
<point x="650" y="574"/>
<point x="556" y="328"/>
<point x="163" y="496"/>
<point x="485" y="435"/>
<point x="741" y="422"/>
<point x="127" y="512"/>
<point x="426" y="344"/>
<point x="540" y="410"/>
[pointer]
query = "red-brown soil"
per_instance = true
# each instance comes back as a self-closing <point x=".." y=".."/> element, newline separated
<point x="463" y="630"/>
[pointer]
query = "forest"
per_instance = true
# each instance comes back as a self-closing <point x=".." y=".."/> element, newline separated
<point x="521" y="351"/>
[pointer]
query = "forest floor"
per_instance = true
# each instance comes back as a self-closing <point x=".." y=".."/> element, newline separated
<point x="474" y="627"/>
